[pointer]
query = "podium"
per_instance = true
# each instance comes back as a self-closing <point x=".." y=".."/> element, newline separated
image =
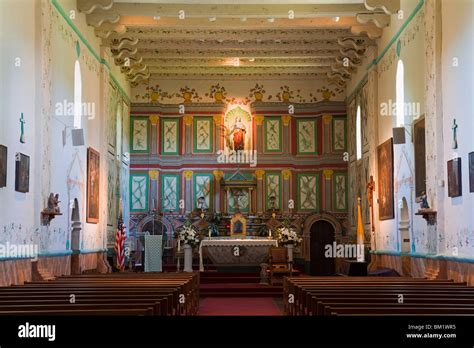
<point x="153" y="253"/>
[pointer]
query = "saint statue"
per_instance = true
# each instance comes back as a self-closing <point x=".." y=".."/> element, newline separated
<point x="238" y="134"/>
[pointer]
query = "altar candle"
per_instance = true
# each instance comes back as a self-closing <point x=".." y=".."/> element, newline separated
<point x="209" y="233"/>
<point x="179" y="244"/>
<point x="270" y="233"/>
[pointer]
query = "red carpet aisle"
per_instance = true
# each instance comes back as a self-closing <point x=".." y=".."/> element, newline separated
<point x="239" y="306"/>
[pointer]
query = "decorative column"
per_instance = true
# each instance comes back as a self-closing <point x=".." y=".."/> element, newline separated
<point x="154" y="119"/>
<point x="154" y="187"/>
<point x="218" y="128"/>
<point x="188" y="135"/>
<point x="188" y="189"/>
<point x="260" y="136"/>
<point x="286" y="134"/>
<point x="327" y="134"/>
<point x="259" y="173"/>
<point x="286" y="173"/>
<point x="218" y="175"/>
<point x="327" y="190"/>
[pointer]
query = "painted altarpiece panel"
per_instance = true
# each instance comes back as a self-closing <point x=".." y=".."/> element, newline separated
<point x="339" y="131"/>
<point x="169" y="136"/>
<point x="203" y="130"/>
<point x="273" y="189"/>
<point x="139" y="193"/>
<point x="170" y="192"/>
<point x="272" y="130"/>
<point x="308" y="192"/>
<point x="202" y="184"/>
<point x="140" y="130"/>
<point x="306" y="136"/>
<point x="340" y="185"/>
<point x="243" y="200"/>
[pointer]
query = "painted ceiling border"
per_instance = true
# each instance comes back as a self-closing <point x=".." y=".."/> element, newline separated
<point x="86" y="43"/>
<point x="412" y="15"/>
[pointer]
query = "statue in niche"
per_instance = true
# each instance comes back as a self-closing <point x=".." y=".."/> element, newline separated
<point x="238" y="134"/>
<point x="423" y="200"/>
<point x="53" y="203"/>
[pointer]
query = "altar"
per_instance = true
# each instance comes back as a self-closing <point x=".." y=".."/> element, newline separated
<point x="227" y="251"/>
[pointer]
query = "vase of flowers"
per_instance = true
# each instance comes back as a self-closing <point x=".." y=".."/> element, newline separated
<point x="188" y="237"/>
<point x="289" y="238"/>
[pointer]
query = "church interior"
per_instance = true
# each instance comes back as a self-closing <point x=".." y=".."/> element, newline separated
<point x="237" y="158"/>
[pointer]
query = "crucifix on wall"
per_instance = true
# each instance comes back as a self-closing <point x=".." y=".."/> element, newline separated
<point x="455" y="136"/>
<point x="370" y="198"/>
<point x="22" y="127"/>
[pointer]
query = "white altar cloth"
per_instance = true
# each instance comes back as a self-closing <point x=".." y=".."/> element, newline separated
<point x="261" y="244"/>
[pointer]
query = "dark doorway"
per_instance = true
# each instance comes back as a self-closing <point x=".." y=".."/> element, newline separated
<point x="321" y="234"/>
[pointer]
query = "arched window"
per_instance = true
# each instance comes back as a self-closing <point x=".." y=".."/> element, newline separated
<point x="77" y="95"/>
<point x="400" y="94"/>
<point x="358" y="134"/>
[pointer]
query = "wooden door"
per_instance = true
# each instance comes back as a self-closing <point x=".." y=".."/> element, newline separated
<point x="321" y="234"/>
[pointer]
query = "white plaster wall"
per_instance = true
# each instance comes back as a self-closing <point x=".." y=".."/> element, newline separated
<point x="412" y="54"/>
<point x="54" y="167"/>
<point x="18" y="224"/>
<point x="458" y="102"/>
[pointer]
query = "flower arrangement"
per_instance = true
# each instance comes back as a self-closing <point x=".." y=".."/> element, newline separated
<point x="287" y="235"/>
<point x="187" y="235"/>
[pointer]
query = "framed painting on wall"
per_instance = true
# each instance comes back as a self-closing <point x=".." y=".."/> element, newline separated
<point x="420" y="156"/>
<point x="93" y="185"/>
<point x="306" y="135"/>
<point x="308" y="192"/>
<point x="471" y="172"/>
<point x="3" y="165"/>
<point x="22" y="173"/>
<point x="203" y="128"/>
<point x="170" y="136"/>
<point x="454" y="178"/>
<point x="385" y="180"/>
<point x="140" y="129"/>
<point x="272" y="129"/>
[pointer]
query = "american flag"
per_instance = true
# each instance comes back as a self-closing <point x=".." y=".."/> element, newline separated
<point x="120" y="246"/>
